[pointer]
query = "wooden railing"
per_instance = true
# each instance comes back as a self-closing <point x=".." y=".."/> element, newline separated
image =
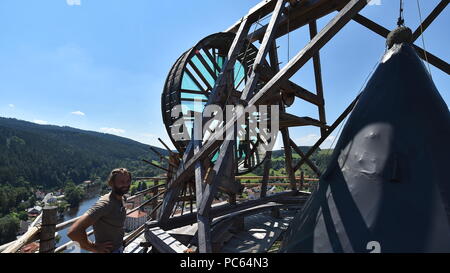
<point x="45" y="232"/>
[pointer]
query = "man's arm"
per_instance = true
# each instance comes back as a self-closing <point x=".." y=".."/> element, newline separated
<point x="77" y="233"/>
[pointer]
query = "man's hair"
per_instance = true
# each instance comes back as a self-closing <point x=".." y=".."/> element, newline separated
<point x="114" y="173"/>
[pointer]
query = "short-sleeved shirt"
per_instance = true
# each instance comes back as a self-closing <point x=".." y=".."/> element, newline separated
<point x="109" y="215"/>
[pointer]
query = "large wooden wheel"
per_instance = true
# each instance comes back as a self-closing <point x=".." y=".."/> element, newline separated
<point x="189" y="85"/>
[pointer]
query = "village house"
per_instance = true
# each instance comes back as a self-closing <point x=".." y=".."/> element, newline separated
<point x="39" y="194"/>
<point x="135" y="220"/>
<point x="35" y="211"/>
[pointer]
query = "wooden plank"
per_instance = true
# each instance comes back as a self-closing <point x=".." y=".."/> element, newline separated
<point x="206" y="65"/>
<point x="217" y="211"/>
<point x="194" y="79"/>
<point x="213" y="61"/>
<point x="430" y="18"/>
<point x="30" y="236"/>
<point x="200" y="75"/>
<point x="193" y="100"/>
<point x="163" y="241"/>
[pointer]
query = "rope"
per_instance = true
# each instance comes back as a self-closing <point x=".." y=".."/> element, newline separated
<point x="288" y="37"/>
<point x="423" y="38"/>
<point x="401" y="20"/>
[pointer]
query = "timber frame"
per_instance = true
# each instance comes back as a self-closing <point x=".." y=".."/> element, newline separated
<point x="192" y="166"/>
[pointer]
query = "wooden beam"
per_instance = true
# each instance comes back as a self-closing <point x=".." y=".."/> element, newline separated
<point x="289" y="120"/>
<point x="318" y="77"/>
<point x="424" y="55"/>
<point x="218" y="211"/>
<point x="262" y="9"/>
<point x="288" y="86"/>
<point x="432" y="59"/>
<point x="154" y="165"/>
<point x="288" y="158"/>
<point x="307" y="160"/>
<point x="329" y="131"/>
<point x="219" y="170"/>
<point x="344" y="16"/>
<point x="206" y="65"/>
<point x="189" y="73"/>
<point x="265" y="179"/>
<point x="325" y="35"/>
<point x="47" y="243"/>
<point x="427" y="22"/>
<point x="263" y="50"/>
<point x="185" y="172"/>
<point x="300" y="15"/>
<point x="200" y="75"/>
<point x="213" y="61"/>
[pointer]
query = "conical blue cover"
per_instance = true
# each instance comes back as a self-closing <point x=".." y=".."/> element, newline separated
<point x="387" y="187"/>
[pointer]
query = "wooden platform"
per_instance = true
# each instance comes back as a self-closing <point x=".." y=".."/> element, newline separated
<point x="261" y="231"/>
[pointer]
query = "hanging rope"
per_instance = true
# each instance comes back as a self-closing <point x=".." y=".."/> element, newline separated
<point x="423" y="38"/>
<point x="401" y="20"/>
<point x="288" y="37"/>
<point x="246" y="50"/>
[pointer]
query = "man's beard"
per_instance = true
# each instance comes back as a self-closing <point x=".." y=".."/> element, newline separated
<point x="120" y="191"/>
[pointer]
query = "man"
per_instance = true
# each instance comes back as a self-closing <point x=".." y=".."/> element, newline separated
<point x="107" y="217"/>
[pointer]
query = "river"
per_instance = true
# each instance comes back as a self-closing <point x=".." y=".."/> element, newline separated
<point x="73" y="213"/>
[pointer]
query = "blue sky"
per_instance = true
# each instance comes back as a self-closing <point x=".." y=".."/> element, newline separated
<point x="101" y="65"/>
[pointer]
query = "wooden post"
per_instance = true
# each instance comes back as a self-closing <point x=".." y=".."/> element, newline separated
<point x="318" y="77"/>
<point x="155" y="201"/>
<point x="267" y="166"/>
<point x="47" y="237"/>
<point x="302" y="179"/>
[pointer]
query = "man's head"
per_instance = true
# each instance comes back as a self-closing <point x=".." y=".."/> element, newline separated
<point x="120" y="180"/>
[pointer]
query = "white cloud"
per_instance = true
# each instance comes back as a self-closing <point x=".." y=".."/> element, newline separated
<point x="112" y="130"/>
<point x="41" y="122"/>
<point x="311" y="139"/>
<point x="73" y="2"/>
<point x="78" y="113"/>
<point x="11" y="105"/>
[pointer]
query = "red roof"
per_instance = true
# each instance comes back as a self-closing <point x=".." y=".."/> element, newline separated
<point x="137" y="214"/>
<point x="30" y="248"/>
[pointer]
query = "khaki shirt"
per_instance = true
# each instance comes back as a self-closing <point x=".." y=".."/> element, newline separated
<point x="109" y="215"/>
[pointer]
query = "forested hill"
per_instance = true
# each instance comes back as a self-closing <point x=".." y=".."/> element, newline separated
<point x="49" y="156"/>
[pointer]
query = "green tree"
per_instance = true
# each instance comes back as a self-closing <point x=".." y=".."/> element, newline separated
<point x="73" y="194"/>
<point x="9" y="226"/>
